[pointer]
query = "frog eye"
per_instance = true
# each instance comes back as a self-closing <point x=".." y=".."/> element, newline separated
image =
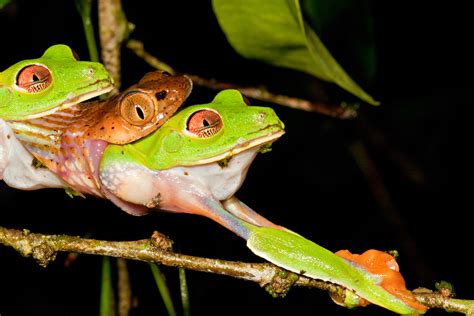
<point x="137" y="108"/>
<point x="204" y="123"/>
<point x="34" y="78"/>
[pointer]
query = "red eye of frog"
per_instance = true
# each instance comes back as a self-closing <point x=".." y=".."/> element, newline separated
<point x="137" y="108"/>
<point x="34" y="78"/>
<point x="204" y="123"/>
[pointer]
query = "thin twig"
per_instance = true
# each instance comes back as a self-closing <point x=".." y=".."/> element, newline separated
<point x="447" y="303"/>
<point x="338" y="111"/>
<point x="262" y="94"/>
<point x="123" y="288"/>
<point x="44" y="248"/>
<point x="138" y="48"/>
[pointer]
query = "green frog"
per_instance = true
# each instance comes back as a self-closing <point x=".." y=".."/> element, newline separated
<point x="57" y="80"/>
<point x="37" y="87"/>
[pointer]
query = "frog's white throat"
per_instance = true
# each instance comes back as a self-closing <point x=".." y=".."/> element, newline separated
<point x="221" y="179"/>
<point x="177" y="189"/>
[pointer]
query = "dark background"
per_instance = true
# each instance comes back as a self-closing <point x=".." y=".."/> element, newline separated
<point x="309" y="183"/>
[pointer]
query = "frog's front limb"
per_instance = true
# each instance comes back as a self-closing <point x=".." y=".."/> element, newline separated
<point x="17" y="165"/>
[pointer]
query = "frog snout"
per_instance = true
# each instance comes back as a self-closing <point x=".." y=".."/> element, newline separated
<point x="267" y="117"/>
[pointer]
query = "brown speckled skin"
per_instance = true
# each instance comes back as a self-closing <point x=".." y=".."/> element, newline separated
<point x="103" y="119"/>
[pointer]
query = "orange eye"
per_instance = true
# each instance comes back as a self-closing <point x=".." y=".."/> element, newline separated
<point x="204" y="123"/>
<point x="34" y="78"/>
<point x="137" y="108"/>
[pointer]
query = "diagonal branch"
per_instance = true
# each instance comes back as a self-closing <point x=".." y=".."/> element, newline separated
<point x="157" y="249"/>
<point x="341" y="111"/>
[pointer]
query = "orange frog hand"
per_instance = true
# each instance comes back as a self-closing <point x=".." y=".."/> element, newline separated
<point x="384" y="266"/>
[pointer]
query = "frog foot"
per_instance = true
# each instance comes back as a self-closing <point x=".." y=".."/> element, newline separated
<point x="386" y="268"/>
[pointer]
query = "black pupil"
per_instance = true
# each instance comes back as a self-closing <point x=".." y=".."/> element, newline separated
<point x="35" y="78"/>
<point x="205" y="123"/>
<point x="140" y="113"/>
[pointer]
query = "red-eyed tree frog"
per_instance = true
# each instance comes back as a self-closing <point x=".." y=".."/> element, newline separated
<point x="37" y="87"/>
<point x="197" y="161"/>
<point x="57" y="80"/>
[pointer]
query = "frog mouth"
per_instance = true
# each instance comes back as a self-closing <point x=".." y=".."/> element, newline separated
<point x="104" y="87"/>
<point x="243" y="145"/>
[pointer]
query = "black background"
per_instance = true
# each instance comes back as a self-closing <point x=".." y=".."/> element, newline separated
<point x="309" y="183"/>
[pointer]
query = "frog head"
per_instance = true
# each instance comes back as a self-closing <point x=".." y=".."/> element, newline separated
<point x="137" y="111"/>
<point x="57" y="80"/>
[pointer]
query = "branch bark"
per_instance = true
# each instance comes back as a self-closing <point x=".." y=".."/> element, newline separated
<point x="114" y="29"/>
<point x="43" y="248"/>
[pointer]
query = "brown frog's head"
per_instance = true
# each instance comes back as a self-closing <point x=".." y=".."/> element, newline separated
<point x="137" y="111"/>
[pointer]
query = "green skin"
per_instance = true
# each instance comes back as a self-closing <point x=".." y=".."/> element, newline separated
<point x="69" y="82"/>
<point x="172" y="169"/>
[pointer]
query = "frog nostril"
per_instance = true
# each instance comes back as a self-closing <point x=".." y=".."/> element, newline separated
<point x="161" y="95"/>
<point x="90" y="71"/>
<point x="261" y="117"/>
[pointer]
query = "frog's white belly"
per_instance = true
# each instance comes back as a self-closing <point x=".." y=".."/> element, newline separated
<point x="16" y="165"/>
<point x="221" y="181"/>
<point x="137" y="184"/>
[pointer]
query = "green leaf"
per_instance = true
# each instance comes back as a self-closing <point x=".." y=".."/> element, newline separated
<point x="3" y="3"/>
<point x="274" y="31"/>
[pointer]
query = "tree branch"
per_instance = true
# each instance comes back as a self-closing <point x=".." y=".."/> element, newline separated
<point x="341" y="111"/>
<point x="157" y="249"/>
